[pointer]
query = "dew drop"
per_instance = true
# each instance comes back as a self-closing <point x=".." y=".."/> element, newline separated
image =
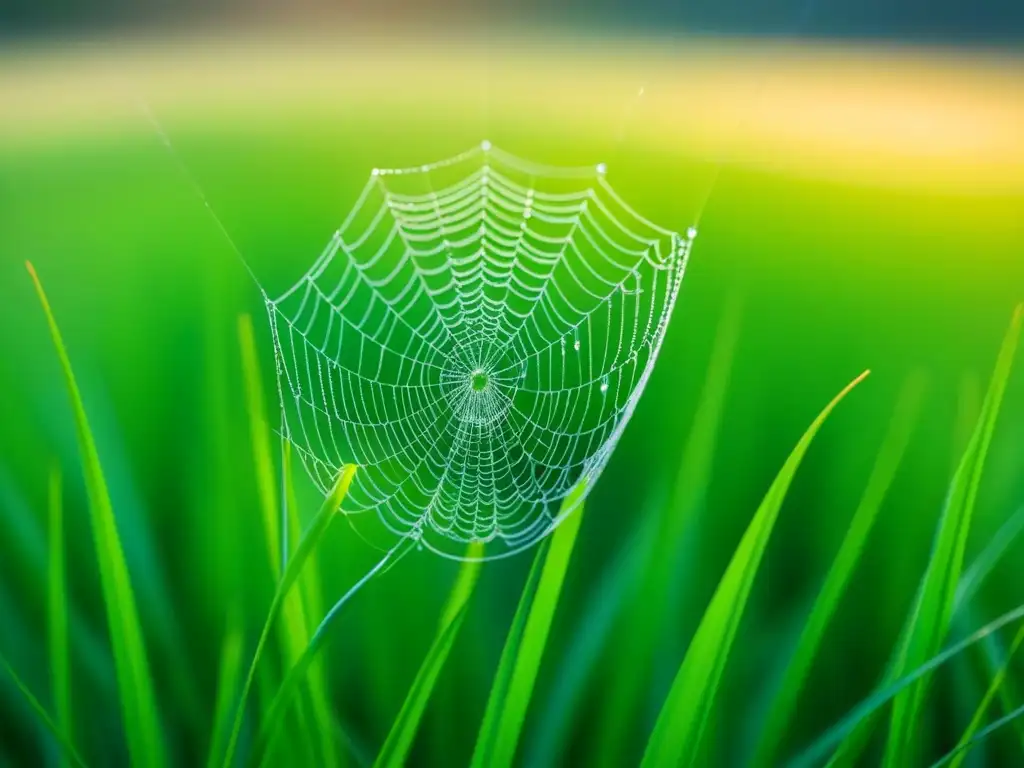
<point x="604" y="385"/>
<point x="485" y="145"/>
<point x="576" y="345"/>
<point x="691" y="233"/>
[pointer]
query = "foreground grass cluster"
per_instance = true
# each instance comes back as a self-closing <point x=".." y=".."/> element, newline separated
<point x="296" y="700"/>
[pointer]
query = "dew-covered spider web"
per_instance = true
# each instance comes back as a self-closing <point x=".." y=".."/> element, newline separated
<point x="475" y="336"/>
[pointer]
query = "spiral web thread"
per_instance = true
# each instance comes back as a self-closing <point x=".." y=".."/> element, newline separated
<point x="475" y="336"/>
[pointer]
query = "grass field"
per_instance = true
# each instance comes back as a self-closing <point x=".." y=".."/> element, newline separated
<point x="868" y="216"/>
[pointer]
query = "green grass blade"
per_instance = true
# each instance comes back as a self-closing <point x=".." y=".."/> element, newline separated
<point x="295" y="626"/>
<point x="308" y="601"/>
<point x="934" y="607"/>
<point x="889" y="458"/>
<point x="135" y="686"/>
<point x="399" y="741"/>
<point x="959" y="754"/>
<point x="839" y="733"/>
<point x="296" y="563"/>
<point x="57" y="606"/>
<point x="535" y="634"/>
<point x="854" y="742"/>
<point x="640" y="630"/>
<point x="297" y="674"/>
<point x="259" y="434"/>
<point x="227" y="687"/>
<point x="680" y="725"/>
<point x="67" y="748"/>
<point x="962" y="749"/>
<point x="506" y="663"/>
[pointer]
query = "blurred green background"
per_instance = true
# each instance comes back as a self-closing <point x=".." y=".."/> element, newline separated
<point x="830" y="261"/>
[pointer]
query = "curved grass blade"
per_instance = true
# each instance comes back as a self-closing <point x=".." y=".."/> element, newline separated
<point x="403" y="731"/>
<point x="138" y="703"/>
<point x="959" y="753"/>
<point x="680" y="725"/>
<point x="934" y="607"/>
<point x="295" y="565"/>
<point x="535" y="634"/>
<point x="67" y="748"/>
<point x="297" y="674"/>
<point x="853" y="743"/>
<point x="838" y="733"/>
<point x="889" y="458"/>
<point x="645" y="618"/>
<point x="227" y="687"/>
<point x="57" y="606"/>
<point x="641" y="627"/>
<point x="962" y="749"/>
<point x="309" y="602"/>
<point x="503" y="676"/>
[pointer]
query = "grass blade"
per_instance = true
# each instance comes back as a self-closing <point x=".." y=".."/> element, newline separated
<point x="988" y="730"/>
<point x="889" y="458"/>
<point x="295" y="565"/>
<point x="503" y="677"/>
<point x="680" y="725"/>
<point x="308" y="601"/>
<point x="651" y="610"/>
<point x="138" y="704"/>
<point x="959" y="753"/>
<point x="535" y="634"/>
<point x="227" y="687"/>
<point x="403" y="731"/>
<point x="934" y="607"/>
<point x="279" y="530"/>
<point x="57" y="606"/>
<point x="853" y="743"/>
<point x="67" y="748"/>
<point x="259" y="434"/>
<point x="840" y="732"/>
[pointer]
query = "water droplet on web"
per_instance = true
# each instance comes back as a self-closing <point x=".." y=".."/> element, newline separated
<point x="576" y="345"/>
<point x="604" y="385"/>
<point x="691" y="233"/>
<point x="576" y="339"/>
<point x="561" y="341"/>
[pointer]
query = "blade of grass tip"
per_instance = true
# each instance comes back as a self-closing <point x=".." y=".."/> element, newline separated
<point x="60" y="657"/>
<point x="311" y="604"/>
<point x="983" y="734"/>
<point x="138" y="703"/>
<point x="506" y="663"/>
<point x="400" y="739"/>
<point x="959" y="754"/>
<point x="641" y="629"/>
<point x="848" y="752"/>
<point x="935" y="605"/>
<point x="680" y="725"/>
<point x="63" y="740"/>
<point x="227" y="687"/>
<point x="535" y="632"/>
<point x="306" y="546"/>
<point x="889" y="458"/>
<point x="841" y="731"/>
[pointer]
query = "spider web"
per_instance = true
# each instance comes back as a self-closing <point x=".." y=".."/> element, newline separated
<point x="475" y="336"/>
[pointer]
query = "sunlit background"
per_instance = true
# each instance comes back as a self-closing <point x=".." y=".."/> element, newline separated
<point x="856" y="172"/>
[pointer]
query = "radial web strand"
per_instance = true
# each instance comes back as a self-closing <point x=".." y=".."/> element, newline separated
<point x="475" y="336"/>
